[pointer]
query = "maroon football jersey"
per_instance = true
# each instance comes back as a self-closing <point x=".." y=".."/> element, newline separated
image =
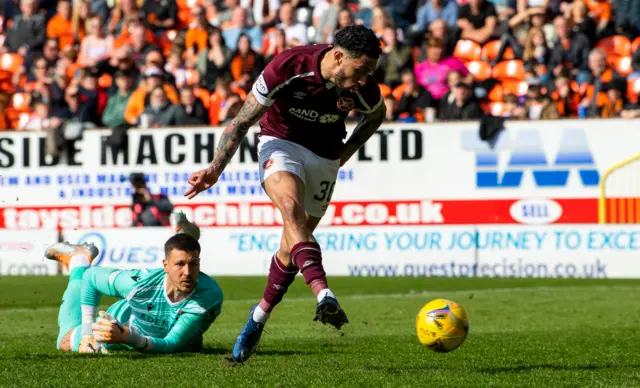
<point x="305" y="108"/>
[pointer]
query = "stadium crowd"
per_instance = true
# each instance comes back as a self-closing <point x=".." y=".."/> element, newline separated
<point x="149" y="63"/>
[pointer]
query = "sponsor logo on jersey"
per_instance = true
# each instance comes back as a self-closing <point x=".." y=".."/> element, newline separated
<point x="345" y="104"/>
<point x="299" y="95"/>
<point x="304" y="114"/>
<point x="329" y="118"/>
<point x="267" y="164"/>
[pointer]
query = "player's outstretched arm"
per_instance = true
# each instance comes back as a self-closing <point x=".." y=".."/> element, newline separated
<point x="181" y="337"/>
<point x="99" y="281"/>
<point x="368" y="125"/>
<point x="249" y="114"/>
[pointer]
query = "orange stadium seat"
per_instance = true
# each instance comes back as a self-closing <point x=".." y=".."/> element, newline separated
<point x="509" y="70"/>
<point x="9" y="64"/>
<point x="496" y="94"/>
<point x="517" y="88"/>
<point x="617" y="45"/>
<point x="490" y="51"/>
<point x="467" y="51"/>
<point x="633" y="89"/>
<point x="480" y="70"/>
<point x="496" y="108"/>
<point x="623" y="66"/>
<point x="20" y="102"/>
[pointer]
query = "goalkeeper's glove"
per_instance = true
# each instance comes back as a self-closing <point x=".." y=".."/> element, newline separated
<point x="108" y="330"/>
<point x="90" y="345"/>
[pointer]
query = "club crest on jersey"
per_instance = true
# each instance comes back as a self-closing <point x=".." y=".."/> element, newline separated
<point x="345" y="104"/>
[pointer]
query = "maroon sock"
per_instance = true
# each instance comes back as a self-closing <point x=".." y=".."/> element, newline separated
<point x="308" y="257"/>
<point x="279" y="280"/>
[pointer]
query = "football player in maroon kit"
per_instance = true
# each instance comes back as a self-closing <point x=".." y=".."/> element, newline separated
<point x="302" y="99"/>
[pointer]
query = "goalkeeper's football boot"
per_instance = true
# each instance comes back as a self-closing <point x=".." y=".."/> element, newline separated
<point x="329" y="311"/>
<point x="247" y="341"/>
<point x="180" y="224"/>
<point x="64" y="251"/>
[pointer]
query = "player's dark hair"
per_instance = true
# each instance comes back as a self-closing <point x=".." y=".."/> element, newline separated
<point x="182" y="242"/>
<point x="358" y="40"/>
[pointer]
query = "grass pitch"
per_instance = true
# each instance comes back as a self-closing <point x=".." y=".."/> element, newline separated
<point x="523" y="333"/>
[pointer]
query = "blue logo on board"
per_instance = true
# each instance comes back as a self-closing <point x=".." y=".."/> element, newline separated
<point x="505" y="164"/>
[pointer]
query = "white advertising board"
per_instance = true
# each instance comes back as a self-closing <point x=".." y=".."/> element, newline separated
<point x="22" y="252"/>
<point x="448" y="161"/>
<point x="581" y="251"/>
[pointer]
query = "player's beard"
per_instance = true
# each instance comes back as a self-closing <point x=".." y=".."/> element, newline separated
<point x="340" y="79"/>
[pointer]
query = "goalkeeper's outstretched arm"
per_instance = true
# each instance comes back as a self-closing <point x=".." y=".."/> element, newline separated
<point x="98" y="281"/>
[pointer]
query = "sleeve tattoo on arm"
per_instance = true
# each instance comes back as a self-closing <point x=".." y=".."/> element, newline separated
<point x="232" y="136"/>
<point x="367" y="126"/>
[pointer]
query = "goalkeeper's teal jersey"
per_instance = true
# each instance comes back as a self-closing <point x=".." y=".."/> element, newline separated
<point x="146" y="308"/>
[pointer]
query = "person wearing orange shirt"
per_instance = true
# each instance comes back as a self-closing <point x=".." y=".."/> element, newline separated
<point x="196" y="38"/>
<point x="60" y="26"/>
<point x="153" y="77"/>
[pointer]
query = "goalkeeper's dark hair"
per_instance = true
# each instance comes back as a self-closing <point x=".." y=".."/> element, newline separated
<point x="182" y="242"/>
<point x="358" y="40"/>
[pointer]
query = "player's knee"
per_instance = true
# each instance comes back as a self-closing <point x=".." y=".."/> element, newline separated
<point x="292" y="211"/>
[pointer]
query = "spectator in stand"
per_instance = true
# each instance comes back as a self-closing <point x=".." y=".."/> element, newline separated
<point x="628" y="17"/>
<point x="538" y="106"/>
<point x="40" y="119"/>
<point x="197" y="37"/>
<point x="92" y="99"/>
<point x="395" y="58"/>
<point x="536" y="55"/>
<point x="365" y="13"/>
<point x="77" y="115"/>
<point x="477" y="20"/>
<point x="263" y="13"/>
<point x="415" y="101"/>
<point x="160" y="15"/>
<point x="214" y="62"/>
<point x="345" y="18"/>
<point x="432" y="10"/>
<point x="39" y="79"/>
<point x="295" y="33"/>
<point x="95" y="46"/>
<point x="246" y="64"/>
<point x="191" y="110"/>
<point x="512" y="108"/>
<point x="113" y="115"/>
<point x="582" y="23"/>
<point x="238" y="27"/>
<point x="60" y="26"/>
<point x="453" y="77"/>
<point x="432" y="73"/>
<point x="27" y="33"/>
<point x="380" y="20"/>
<point x="120" y="60"/>
<point x="566" y="99"/>
<point x="139" y="43"/>
<point x="463" y="107"/>
<point x="51" y="53"/>
<point x="601" y="78"/>
<point x="159" y="111"/>
<point x="100" y="8"/>
<point x="439" y="29"/>
<point x="402" y="12"/>
<point x="79" y="18"/>
<point x="57" y="87"/>
<point x="122" y="11"/>
<point x="570" y="51"/>
<point x="615" y="102"/>
<point x="277" y="44"/>
<point x="153" y="77"/>
<point x="328" y="22"/>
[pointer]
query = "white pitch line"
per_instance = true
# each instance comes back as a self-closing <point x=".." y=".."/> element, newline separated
<point x="440" y="293"/>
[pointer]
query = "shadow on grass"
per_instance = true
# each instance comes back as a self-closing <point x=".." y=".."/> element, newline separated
<point x="501" y="370"/>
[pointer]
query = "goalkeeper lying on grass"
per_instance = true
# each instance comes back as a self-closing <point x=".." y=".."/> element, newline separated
<point x="165" y="310"/>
